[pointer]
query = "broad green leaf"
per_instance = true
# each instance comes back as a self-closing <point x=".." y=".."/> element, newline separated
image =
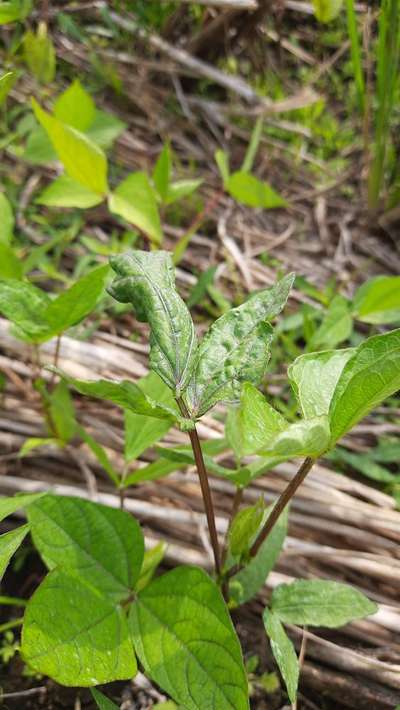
<point x="14" y="10"/>
<point x="10" y="265"/>
<point x="147" y="280"/>
<point x="369" y="376"/>
<point x="247" y="583"/>
<point x="125" y="394"/>
<point x="307" y="437"/>
<point x="258" y="422"/>
<point x="152" y="558"/>
<point x="62" y="412"/>
<point x="142" y="432"/>
<point x="9" y="543"/>
<point x="39" y="148"/>
<point x="313" y="378"/>
<point x="82" y="159"/>
<point x="244" y="526"/>
<point x="233" y="432"/>
<point x="284" y="653"/>
<point x="39" y="54"/>
<point x="35" y="442"/>
<point x="365" y="464"/>
<point x="180" y="189"/>
<point x="378" y="300"/>
<point x="186" y="642"/>
<point x="336" y="326"/>
<point x="318" y="602"/>
<point x="236" y="349"/>
<point x="105" y="129"/>
<point x="162" y="172"/>
<point x="10" y="505"/>
<point x="134" y="200"/>
<point x="151" y="472"/>
<point x="76" y="635"/>
<point x="66" y="192"/>
<point x="25" y="306"/>
<point x="102" y="702"/>
<point x="6" y="220"/>
<point x="327" y="10"/>
<point x="75" y="107"/>
<point x="101" y="545"/>
<point x="100" y="454"/>
<point x="248" y="190"/>
<point x="7" y="81"/>
<point x="74" y="304"/>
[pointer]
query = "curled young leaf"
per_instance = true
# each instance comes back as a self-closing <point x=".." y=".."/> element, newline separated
<point x="147" y="280"/>
<point x="236" y="349"/>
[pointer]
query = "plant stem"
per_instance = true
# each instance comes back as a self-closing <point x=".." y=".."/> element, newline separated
<point x="279" y="507"/>
<point x="205" y="488"/>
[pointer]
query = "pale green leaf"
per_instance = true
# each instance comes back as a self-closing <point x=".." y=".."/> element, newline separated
<point x="9" y="543"/>
<point x="313" y="378"/>
<point x="307" y="437"/>
<point x="66" y="192"/>
<point x="180" y="189"/>
<point x="152" y="558"/>
<point x="102" y="702"/>
<point x="258" y="422"/>
<point x="36" y="442"/>
<point x="162" y="172"/>
<point x="10" y="265"/>
<point x="248" y="190"/>
<point x="147" y="280"/>
<point x="101" y="545"/>
<point x="14" y="10"/>
<point x="75" y="107"/>
<point x="327" y="10"/>
<point x="7" y="81"/>
<point x="371" y="375"/>
<point x="222" y="160"/>
<point x="317" y="602"/>
<point x="134" y="199"/>
<point x="186" y="642"/>
<point x="236" y="349"/>
<point x="75" y="635"/>
<point x="39" y="54"/>
<point x="378" y="300"/>
<point x="244" y="526"/>
<point x="105" y="129"/>
<point x="25" y="306"/>
<point x="152" y="472"/>
<point x="83" y="160"/>
<point x="39" y="148"/>
<point x="284" y="653"/>
<point x="6" y="220"/>
<point x="62" y="413"/>
<point x="248" y="582"/>
<point x="336" y="326"/>
<point x="142" y="432"/>
<point x="10" y="505"/>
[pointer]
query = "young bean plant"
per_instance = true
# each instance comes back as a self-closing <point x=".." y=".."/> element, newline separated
<point x="100" y="610"/>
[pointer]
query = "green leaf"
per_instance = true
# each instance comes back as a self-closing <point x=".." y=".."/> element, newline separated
<point x="365" y="464"/>
<point x="248" y="190"/>
<point x="6" y="220"/>
<point x="62" y="412"/>
<point x="318" y="602"/>
<point x="66" y="192"/>
<point x="7" y="81"/>
<point x="105" y="129"/>
<point x="284" y="653"/>
<point x="98" y="544"/>
<point x="134" y="200"/>
<point x="336" y="325"/>
<point x="151" y="472"/>
<point x="162" y="172"/>
<point x="186" y="642"/>
<point x="39" y="149"/>
<point x="9" y="543"/>
<point x="152" y="558"/>
<point x="14" y="10"/>
<point x="247" y="583"/>
<point x="307" y="437"/>
<point x="10" y="505"/>
<point x="147" y="280"/>
<point x="313" y="378"/>
<point x="76" y="635"/>
<point x="10" y="265"/>
<point x="327" y="10"/>
<point x="244" y="526"/>
<point x="39" y="54"/>
<point x="369" y="376"/>
<point x="222" y="160"/>
<point x="206" y="279"/>
<point x="102" y="702"/>
<point x="82" y="159"/>
<point x="142" y="432"/>
<point x="124" y="393"/>
<point x="35" y="442"/>
<point x="26" y="306"/>
<point x="236" y="349"/>
<point x="75" y="107"/>
<point x="378" y="300"/>
<point x="100" y="454"/>
<point x="258" y="422"/>
<point x="180" y="189"/>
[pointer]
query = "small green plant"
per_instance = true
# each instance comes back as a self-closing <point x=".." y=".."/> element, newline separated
<point x="100" y="608"/>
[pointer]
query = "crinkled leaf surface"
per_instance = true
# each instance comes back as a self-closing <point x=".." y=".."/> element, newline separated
<point x="147" y="280"/>
<point x="316" y="602"/>
<point x="185" y="639"/>
<point x="378" y="300"/>
<point x="83" y="160"/>
<point x="284" y="653"/>
<point x="134" y="200"/>
<point x="9" y="543"/>
<point x="371" y="375"/>
<point x="99" y="544"/>
<point x="75" y="634"/>
<point x="236" y="349"/>
<point x="66" y="192"/>
<point x="313" y="378"/>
